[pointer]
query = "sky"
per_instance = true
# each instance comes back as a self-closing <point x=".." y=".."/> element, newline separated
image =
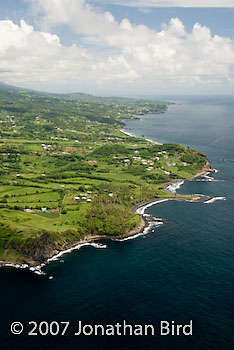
<point x="115" y="47"/>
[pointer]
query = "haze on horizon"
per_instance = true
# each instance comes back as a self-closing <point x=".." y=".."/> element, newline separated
<point x="104" y="49"/>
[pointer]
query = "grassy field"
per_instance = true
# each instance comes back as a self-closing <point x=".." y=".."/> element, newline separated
<point x="67" y="170"/>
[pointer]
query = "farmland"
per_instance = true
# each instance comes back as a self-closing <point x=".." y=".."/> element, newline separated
<point x="67" y="170"/>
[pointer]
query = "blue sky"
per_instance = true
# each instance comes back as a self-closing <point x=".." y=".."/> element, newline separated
<point x="219" y="20"/>
<point x="114" y="47"/>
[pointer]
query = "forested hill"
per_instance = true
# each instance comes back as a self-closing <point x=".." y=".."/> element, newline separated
<point x="56" y="109"/>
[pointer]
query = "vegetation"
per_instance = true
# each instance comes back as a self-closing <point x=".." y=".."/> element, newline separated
<point x="68" y="171"/>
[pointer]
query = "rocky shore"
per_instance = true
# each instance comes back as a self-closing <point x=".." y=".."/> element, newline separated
<point x="91" y="239"/>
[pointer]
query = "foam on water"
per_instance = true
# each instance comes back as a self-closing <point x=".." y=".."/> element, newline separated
<point x="127" y="133"/>
<point x="147" y="229"/>
<point x="206" y="176"/>
<point x="77" y="247"/>
<point x="175" y="186"/>
<point x="156" y="143"/>
<point x="212" y="200"/>
<point x="35" y="269"/>
<point x="141" y="210"/>
<point x="209" y="179"/>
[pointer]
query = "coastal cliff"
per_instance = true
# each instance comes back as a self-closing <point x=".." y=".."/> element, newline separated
<point x="69" y="174"/>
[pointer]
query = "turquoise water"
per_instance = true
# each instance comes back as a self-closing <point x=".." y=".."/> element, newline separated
<point x="180" y="271"/>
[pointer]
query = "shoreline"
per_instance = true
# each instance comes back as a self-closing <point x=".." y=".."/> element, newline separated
<point x="91" y="240"/>
<point x="130" y="135"/>
<point x="139" y="209"/>
<point x="205" y="171"/>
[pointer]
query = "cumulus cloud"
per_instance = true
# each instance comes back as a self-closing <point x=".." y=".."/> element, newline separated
<point x="83" y="18"/>
<point x="137" y="59"/>
<point x="38" y="58"/>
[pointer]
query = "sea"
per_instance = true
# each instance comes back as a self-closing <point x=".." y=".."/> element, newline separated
<point x="179" y="272"/>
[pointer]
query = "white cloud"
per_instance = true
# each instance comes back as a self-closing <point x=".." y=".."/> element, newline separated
<point x="98" y="27"/>
<point x="173" y="3"/>
<point x="38" y="59"/>
<point x="138" y="59"/>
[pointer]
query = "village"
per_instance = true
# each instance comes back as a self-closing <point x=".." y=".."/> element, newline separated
<point x="67" y="168"/>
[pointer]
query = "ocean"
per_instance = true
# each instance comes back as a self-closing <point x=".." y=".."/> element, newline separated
<point x="180" y="271"/>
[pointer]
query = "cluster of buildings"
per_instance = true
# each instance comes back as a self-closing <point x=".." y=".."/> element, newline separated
<point x="47" y="147"/>
<point x="150" y="163"/>
<point x="59" y="138"/>
<point x="87" y="198"/>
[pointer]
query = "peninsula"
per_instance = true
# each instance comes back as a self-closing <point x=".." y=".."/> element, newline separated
<point x="68" y="172"/>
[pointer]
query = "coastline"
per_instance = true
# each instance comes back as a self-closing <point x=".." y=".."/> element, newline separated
<point x="129" y="134"/>
<point x="91" y="240"/>
<point x="205" y="171"/>
<point x="137" y="231"/>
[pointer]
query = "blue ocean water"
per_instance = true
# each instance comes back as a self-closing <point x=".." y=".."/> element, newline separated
<point x="180" y="271"/>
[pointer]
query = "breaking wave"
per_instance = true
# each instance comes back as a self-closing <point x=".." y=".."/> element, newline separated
<point x="77" y="247"/>
<point x="212" y="200"/>
<point x="175" y="186"/>
<point x="35" y="269"/>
